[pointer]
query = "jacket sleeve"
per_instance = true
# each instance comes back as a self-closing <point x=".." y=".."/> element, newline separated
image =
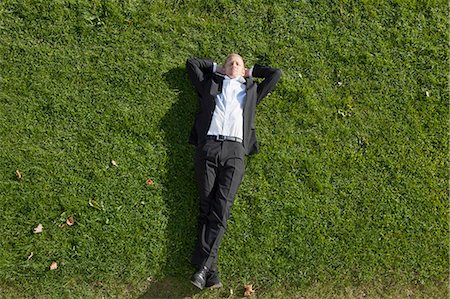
<point x="197" y="70"/>
<point x="270" y="76"/>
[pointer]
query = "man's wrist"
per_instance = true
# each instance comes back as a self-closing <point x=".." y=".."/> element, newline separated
<point x="218" y="69"/>
<point x="249" y="72"/>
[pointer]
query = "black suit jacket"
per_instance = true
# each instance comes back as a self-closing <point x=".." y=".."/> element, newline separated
<point x="208" y="85"/>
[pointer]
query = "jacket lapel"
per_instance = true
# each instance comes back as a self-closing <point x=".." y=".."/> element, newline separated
<point x="248" y="99"/>
<point x="216" y="84"/>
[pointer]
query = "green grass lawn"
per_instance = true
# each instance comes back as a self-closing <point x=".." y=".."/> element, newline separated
<point x="347" y="198"/>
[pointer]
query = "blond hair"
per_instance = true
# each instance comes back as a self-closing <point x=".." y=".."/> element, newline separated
<point x="232" y="55"/>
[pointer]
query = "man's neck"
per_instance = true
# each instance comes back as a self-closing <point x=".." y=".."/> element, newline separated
<point x="240" y="79"/>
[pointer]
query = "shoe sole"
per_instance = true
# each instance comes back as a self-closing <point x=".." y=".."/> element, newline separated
<point x="198" y="285"/>
<point x="215" y="286"/>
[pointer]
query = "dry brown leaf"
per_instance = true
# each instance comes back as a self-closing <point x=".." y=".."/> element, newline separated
<point x="38" y="229"/>
<point x="70" y="221"/>
<point x="53" y="266"/>
<point x="18" y="174"/>
<point x="248" y="290"/>
<point x="114" y="163"/>
<point x="149" y="182"/>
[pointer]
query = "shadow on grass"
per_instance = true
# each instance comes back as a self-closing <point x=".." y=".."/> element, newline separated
<point x="180" y="191"/>
<point x="170" y="287"/>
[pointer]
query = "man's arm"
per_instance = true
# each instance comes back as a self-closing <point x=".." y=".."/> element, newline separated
<point x="270" y="76"/>
<point x="197" y="69"/>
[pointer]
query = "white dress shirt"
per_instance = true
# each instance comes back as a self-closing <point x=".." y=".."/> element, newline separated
<point x="228" y="117"/>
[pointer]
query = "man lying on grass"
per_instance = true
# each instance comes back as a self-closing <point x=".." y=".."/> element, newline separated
<point x="223" y="134"/>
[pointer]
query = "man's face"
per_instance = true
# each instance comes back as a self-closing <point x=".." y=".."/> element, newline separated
<point x="234" y="66"/>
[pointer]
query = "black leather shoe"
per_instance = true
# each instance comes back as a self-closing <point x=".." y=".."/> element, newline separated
<point x="199" y="278"/>
<point x="212" y="280"/>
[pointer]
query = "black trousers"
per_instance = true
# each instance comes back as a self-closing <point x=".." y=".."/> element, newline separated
<point x="219" y="167"/>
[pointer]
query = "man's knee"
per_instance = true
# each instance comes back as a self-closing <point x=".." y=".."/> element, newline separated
<point x="219" y="218"/>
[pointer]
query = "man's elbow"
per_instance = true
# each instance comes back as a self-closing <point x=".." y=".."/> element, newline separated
<point x="190" y="62"/>
<point x="277" y="74"/>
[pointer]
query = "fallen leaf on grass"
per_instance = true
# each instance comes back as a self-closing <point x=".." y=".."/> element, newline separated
<point x="18" y="174"/>
<point x="149" y="182"/>
<point x="70" y="221"/>
<point x="38" y="229"/>
<point x="248" y="290"/>
<point x="114" y="163"/>
<point x="30" y="256"/>
<point x="53" y="266"/>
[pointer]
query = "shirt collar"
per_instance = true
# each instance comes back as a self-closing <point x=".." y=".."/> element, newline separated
<point x="239" y="79"/>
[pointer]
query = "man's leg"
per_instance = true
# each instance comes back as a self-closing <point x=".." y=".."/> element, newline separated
<point x="229" y="177"/>
<point x="206" y="167"/>
<point x="229" y="165"/>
